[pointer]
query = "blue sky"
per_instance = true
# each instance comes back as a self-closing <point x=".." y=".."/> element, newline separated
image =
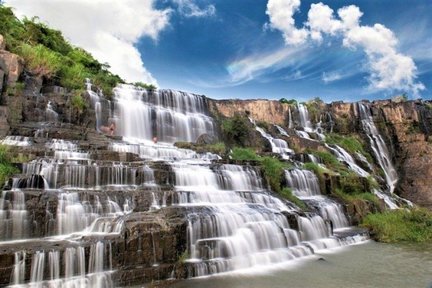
<point x="250" y="49"/>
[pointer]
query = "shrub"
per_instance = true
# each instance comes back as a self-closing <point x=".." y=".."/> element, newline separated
<point x="263" y="125"/>
<point x="78" y="102"/>
<point x="149" y="87"/>
<point x="273" y="171"/>
<point x="287" y="194"/>
<point x="351" y="144"/>
<point x="6" y="167"/>
<point x="40" y="60"/>
<point x="235" y="130"/>
<point x="243" y="154"/>
<point x="292" y="102"/>
<point x="401" y="225"/>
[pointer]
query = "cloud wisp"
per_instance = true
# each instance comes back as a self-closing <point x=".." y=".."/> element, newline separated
<point x="188" y="8"/>
<point x="388" y="68"/>
<point x="108" y="29"/>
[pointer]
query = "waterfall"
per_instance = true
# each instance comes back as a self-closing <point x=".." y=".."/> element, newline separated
<point x="303" y="182"/>
<point x="50" y="113"/>
<point x="230" y="218"/>
<point x="343" y="156"/>
<point x="304" y="185"/>
<point x="304" y="118"/>
<point x="16" y="141"/>
<point x="290" y="121"/>
<point x="378" y="146"/>
<point x="74" y="262"/>
<point x="238" y="225"/>
<point x="169" y="115"/>
<point x="279" y="146"/>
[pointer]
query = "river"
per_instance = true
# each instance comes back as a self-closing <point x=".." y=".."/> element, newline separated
<point x="365" y="265"/>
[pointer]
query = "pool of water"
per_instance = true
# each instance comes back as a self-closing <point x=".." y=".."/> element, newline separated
<point x="366" y="265"/>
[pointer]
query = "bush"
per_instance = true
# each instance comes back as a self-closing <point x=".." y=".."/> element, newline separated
<point x="6" y="167"/>
<point x="400" y="225"/>
<point x="350" y="198"/>
<point x="287" y="194"/>
<point x="243" y="154"/>
<point x="235" y="130"/>
<point x="314" y="167"/>
<point x="78" y="102"/>
<point x="291" y="102"/>
<point x="40" y="60"/>
<point x="47" y="53"/>
<point x="273" y="171"/>
<point x="350" y="143"/>
<point x="148" y="87"/>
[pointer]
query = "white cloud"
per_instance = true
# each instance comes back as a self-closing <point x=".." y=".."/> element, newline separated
<point x="189" y="9"/>
<point x="109" y="29"/>
<point x="328" y="77"/>
<point x="389" y="69"/>
<point x="281" y="14"/>
<point x="250" y="67"/>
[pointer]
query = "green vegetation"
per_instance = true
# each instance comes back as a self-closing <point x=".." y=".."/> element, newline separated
<point x="148" y="87"/>
<point x="350" y="198"/>
<point x="291" y="102"/>
<point x="273" y="169"/>
<point x="6" y="167"/>
<point x="273" y="172"/>
<point x="236" y="130"/>
<point x="351" y="144"/>
<point x="263" y="125"/>
<point x="244" y="154"/>
<point x="216" y="148"/>
<point x="78" y="102"/>
<point x="317" y="169"/>
<point x="287" y="194"/>
<point x="49" y="55"/>
<point x="183" y="257"/>
<point x="401" y="225"/>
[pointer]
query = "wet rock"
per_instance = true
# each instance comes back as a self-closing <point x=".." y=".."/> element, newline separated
<point x="206" y="139"/>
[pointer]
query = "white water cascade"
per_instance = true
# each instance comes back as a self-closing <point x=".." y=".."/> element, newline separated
<point x="237" y="224"/>
<point x="304" y="118"/>
<point x="279" y="146"/>
<point x="378" y="146"/>
<point x="304" y="185"/>
<point x="344" y="157"/>
<point x="169" y="115"/>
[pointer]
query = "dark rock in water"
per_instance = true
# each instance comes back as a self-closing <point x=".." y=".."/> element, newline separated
<point x="205" y="139"/>
<point x="321" y="259"/>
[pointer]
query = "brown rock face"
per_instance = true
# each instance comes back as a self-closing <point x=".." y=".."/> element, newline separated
<point x="12" y="65"/>
<point x="411" y="125"/>
<point x="2" y="43"/>
<point x="260" y="110"/>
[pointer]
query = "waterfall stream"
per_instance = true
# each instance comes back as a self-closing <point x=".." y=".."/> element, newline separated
<point x="232" y="220"/>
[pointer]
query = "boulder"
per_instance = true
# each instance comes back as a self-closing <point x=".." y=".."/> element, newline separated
<point x="205" y="139"/>
<point x="2" y="43"/>
<point x="12" y="65"/>
<point x="2" y="75"/>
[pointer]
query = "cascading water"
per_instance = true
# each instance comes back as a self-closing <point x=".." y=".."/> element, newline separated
<point x="279" y="146"/>
<point x="233" y="221"/>
<point x="345" y="157"/>
<point x="51" y="114"/>
<point x="236" y="224"/>
<point x="378" y="145"/>
<point x="304" y="185"/>
<point x="304" y="118"/>
<point x="169" y="115"/>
